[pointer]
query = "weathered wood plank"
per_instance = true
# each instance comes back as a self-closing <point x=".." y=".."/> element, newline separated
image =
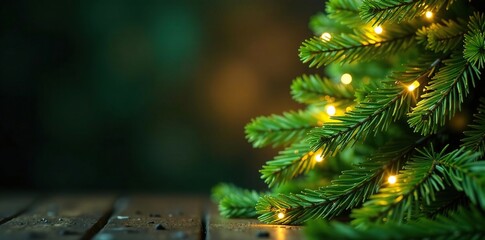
<point x="155" y="217"/>
<point x="12" y="205"/>
<point x="222" y="228"/>
<point x="60" y="217"/>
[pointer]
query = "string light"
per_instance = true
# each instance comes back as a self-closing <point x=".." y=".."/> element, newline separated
<point x="346" y="78"/>
<point x="378" y="29"/>
<point x="413" y="86"/>
<point x="429" y="14"/>
<point x="331" y="110"/>
<point x="281" y="215"/>
<point x="326" y="36"/>
<point x="318" y="157"/>
<point x="392" y="179"/>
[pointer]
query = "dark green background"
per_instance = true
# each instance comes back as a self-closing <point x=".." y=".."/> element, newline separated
<point x="142" y="95"/>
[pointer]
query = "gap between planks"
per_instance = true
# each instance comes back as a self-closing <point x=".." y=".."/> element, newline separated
<point x="133" y="217"/>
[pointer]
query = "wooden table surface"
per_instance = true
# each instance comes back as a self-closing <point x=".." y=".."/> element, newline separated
<point x="107" y="217"/>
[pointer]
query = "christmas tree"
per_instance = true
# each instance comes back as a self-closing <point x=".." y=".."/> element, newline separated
<point x="392" y="136"/>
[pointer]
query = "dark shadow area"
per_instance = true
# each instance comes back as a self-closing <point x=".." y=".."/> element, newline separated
<point x="142" y="95"/>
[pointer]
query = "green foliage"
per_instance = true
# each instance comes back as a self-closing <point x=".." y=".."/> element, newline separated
<point x="380" y="108"/>
<point x="279" y="130"/>
<point x="291" y="162"/>
<point x="381" y="11"/>
<point x="444" y="95"/>
<point x="442" y="37"/>
<point x="321" y="23"/>
<point x="290" y="127"/>
<point x="346" y="12"/>
<point x="475" y="40"/>
<point x="362" y="45"/>
<point x="351" y="188"/>
<point x="447" y="201"/>
<point x="413" y="76"/>
<point x="475" y="137"/>
<point x="418" y="183"/>
<point x="363" y="73"/>
<point x="235" y="202"/>
<point x="475" y="49"/>
<point x="462" y="224"/>
<point x="315" y="89"/>
<point x="460" y="170"/>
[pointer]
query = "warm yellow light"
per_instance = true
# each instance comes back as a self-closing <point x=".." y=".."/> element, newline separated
<point x="326" y="36"/>
<point x="428" y="14"/>
<point x="318" y="157"/>
<point x="392" y="179"/>
<point x="281" y="215"/>
<point x="378" y="29"/>
<point x="413" y="86"/>
<point x="331" y="110"/>
<point x="346" y="78"/>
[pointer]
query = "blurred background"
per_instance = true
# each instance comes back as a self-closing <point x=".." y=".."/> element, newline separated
<point x="142" y="95"/>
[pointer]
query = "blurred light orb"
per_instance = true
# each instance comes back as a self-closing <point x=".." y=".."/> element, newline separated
<point x="318" y="157"/>
<point x="378" y="29"/>
<point x="331" y="110"/>
<point x="392" y="179"/>
<point x="326" y="36"/>
<point x="346" y="78"/>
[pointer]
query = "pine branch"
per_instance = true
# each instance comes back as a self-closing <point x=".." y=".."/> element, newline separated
<point x="463" y="224"/>
<point x="447" y="201"/>
<point x="442" y="37"/>
<point x="397" y="202"/>
<point x="445" y="93"/>
<point x="382" y="11"/>
<point x="362" y="45"/>
<point x="291" y="162"/>
<point x="475" y="137"/>
<point x="366" y="90"/>
<point x="418" y="182"/>
<point x="321" y="23"/>
<point x="346" y="12"/>
<point x="375" y="113"/>
<point x="465" y="174"/>
<point x="352" y="188"/>
<point x="475" y="41"/>
<point x="279" y="130"/>
<point x="235" y="202"/>
<point x="315" y="89"/>
<point x="475" y="49"/>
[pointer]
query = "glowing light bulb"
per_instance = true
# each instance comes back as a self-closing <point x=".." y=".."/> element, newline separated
<point x="429" y="14"/>
<point x="326" y="36"/>
<point x="331" y="110"/>
<point x="281" y="215"/>
<point x="392" y="179"/>
<point x="318" y="157"/>
<point x="346" y="78"/>
<point x="413" y="86"/>
<point x="378" y="29"/>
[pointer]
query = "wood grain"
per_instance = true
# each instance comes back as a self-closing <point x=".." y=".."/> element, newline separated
<point x="12" y="205"/>
<point x="155" y="217"/>
<point x="222" y="228"/>
<point x="60" y="217"/>
<point x="105" y="217"/>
